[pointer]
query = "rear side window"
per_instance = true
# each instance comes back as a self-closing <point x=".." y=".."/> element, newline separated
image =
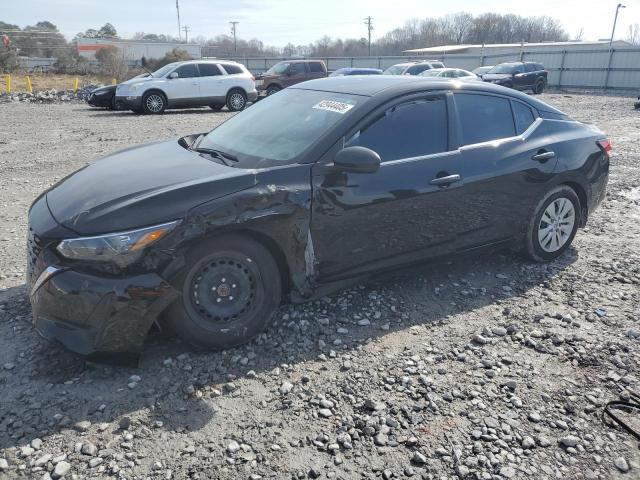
<point x="187" y="71"/>
<point x="298" y="68"/>
<point x="484" y="118"/>
<point x="411" y="129"/>
<point x="523" y="116"/>
<point x="232" y="69"/>
<point x="437" y="64"/>
<point x="416" y="69"/>
<point x="209" y="70"/>
<point x="316" y="67"/>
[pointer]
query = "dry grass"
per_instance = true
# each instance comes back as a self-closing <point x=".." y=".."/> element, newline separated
<point x="48" y="81"/>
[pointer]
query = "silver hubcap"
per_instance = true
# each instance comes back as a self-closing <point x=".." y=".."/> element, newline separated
<point x="237" y="101"/>
<point x="155" y="103"/>
<point x="556" y="225"/>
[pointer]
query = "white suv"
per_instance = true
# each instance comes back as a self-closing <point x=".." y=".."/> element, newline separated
<point x="194" y="83"/>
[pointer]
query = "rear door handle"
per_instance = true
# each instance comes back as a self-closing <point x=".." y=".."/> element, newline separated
<point x="445" y="181"/>
<point x="543" y="155"/>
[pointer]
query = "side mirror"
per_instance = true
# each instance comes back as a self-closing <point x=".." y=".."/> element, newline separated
<point x="357" y="160"/>
<point x="173" y="75"/>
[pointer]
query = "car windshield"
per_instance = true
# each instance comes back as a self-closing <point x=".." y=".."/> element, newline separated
<point x="504" y="68"/>
<point x="161" y="72"/>
<point x="278" y="68"/>
<point x="395" y="70"/>
<point x="281" y="127"/>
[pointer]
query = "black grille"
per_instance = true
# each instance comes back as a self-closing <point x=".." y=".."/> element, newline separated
<point x="34" y="248"/>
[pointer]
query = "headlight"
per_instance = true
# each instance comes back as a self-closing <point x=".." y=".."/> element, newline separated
<point x="121" y="248"/>
<point x="134" y="87"/>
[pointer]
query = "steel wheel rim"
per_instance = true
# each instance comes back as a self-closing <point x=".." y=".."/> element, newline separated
<point x="236" y="100"/>
<point x="222" y="290"/>
<point x="154" y="103"/>
<point x="556" y="225"/>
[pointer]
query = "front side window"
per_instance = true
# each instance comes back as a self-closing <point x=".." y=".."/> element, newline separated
<point x="484" y="118"/>
<point x="416" y="69"/>
<point x="395" y="70"/>
<point x="209" y="70"/>
<point x="530" y="67"/>
<point x="278" y="68"/>
<point x="298" y="68"/>
<point x="412" y="129"/>
<point x="316" y="67"/>
<point x="523" y="116"/>
<point x="187" y="71"/>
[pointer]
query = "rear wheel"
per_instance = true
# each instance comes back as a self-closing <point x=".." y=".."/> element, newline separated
<point x="236" y="100"/>
<point x="538" y="88"/>
<point x="554" y="224"/>
<point x="154" y="103"/>
<point x="230" y="289"/>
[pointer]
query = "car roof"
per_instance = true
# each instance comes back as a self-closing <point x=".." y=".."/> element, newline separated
<point x="395" y="85"/>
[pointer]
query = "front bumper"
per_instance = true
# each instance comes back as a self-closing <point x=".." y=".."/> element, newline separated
<point x="105" y="317"/>
<point x="130" y="102"/>
<point x="99" y="100"/>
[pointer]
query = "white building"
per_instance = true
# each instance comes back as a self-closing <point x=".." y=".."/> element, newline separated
<point x="134" y="50"/>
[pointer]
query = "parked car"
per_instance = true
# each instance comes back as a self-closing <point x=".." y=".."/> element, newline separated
<point x="287" y="73"/>
<point x="194" y="83"/>
<point x="327" y="181"/>
<point x="105" y="97"/>
<point x="355" y="71"/>
<point x="519" y="75"/>
<point x="412" y="68"/>
<point x="456" y="73"/>
<point x="480" y="71"/>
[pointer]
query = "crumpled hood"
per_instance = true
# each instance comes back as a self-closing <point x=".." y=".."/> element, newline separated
<point x="140" y="186"/>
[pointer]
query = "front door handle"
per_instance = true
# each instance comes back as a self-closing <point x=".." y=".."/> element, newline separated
<point x="445" y="181"/>
<point x="543" y="155"/>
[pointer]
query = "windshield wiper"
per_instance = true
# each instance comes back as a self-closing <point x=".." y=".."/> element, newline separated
<point x="225" y="157"/>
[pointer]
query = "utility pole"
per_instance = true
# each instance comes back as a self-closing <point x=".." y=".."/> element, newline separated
<point x="186" y="33"/>
<point x="233" y="32"/>
<point x="179" y="29"/>
<point x="369" y="24"/>
<point x="615" y="20"/>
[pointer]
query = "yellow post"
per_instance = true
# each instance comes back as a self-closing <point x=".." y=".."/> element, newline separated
<point x="76" y="85"/>
<point x="8" y="83"/>
<point x="114" y="81"/>
<point x="29" y="86"/>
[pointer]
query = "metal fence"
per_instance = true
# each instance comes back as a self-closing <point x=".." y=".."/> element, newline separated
<point x="615" y="69"/>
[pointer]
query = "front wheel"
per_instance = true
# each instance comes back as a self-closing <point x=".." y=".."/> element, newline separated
<point x="236" y="100"/>
<point x="154" y="103"/>
<point x="554" y="224"/>
<point x="230" y="289"/>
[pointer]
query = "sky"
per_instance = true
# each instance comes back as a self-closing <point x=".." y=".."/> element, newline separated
<point x="278" y="22"/>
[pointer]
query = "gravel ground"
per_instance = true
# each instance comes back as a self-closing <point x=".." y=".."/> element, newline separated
<point x="490" y="368"/>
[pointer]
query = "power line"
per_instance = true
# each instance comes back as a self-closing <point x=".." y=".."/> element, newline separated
<point x="369" y="24"/>
<point x="233" y="32"/>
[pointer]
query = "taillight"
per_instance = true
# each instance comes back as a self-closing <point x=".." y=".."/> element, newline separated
<point x="605" y="144"/>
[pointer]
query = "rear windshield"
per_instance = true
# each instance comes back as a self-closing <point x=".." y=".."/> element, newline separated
<point x="281" y="127"/>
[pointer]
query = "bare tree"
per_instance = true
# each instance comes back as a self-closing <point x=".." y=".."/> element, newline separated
<point x="633" y="35"/>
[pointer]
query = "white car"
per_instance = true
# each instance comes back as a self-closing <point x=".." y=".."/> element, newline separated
<point x="412" y="68"/>
<point x="194" y="83"/>
<point x="457" y="73"/>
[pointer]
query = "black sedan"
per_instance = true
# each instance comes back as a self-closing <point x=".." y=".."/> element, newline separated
<point x="325" y="182"/>
<point x="103" y="97"/>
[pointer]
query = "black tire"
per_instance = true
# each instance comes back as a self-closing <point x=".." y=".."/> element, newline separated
<point x="236" y="100"/>
<point x="271" y="89"/>
<point x="210" y="317"/>
<point x="154" y="103"/>
<point x="537" y="250"/>
<point x="216" y="108"/>
<point x="538" y="88"/>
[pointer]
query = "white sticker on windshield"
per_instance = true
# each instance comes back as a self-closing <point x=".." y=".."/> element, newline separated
<point x="333" y="106"/>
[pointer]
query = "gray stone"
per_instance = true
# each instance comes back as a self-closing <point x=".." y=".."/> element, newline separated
<point x="569" y="441"/>
<point x="508" y="472"/>
<point x="621" y="464"/>
<point x="62" y="468"/>
<point x="286" y="387"/>
<point x="418" y="458"/>
<point x="89" y="448"/>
